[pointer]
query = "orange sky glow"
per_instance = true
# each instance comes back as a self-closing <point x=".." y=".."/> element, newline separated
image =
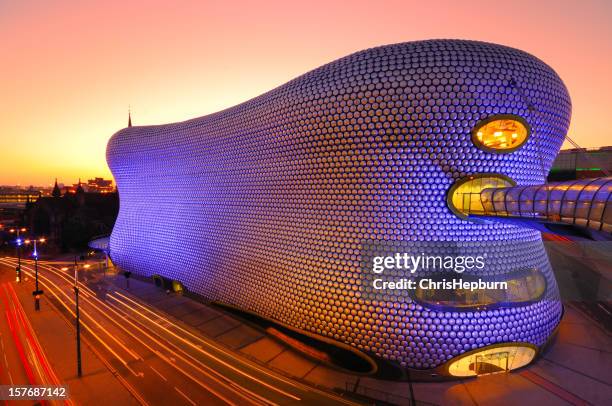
<point x="70" y="69"/>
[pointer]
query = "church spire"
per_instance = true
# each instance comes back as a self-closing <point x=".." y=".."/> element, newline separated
<point x="56" y="190"/>
<point x="79" y="188"/>
<point x="129" y="118"/>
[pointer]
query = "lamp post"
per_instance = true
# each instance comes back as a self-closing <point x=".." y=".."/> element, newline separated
<point x="37" y="292"/>
<point x="78" y="321"/>
<point x="18" y="241"/>
<point x="127" y="275"/>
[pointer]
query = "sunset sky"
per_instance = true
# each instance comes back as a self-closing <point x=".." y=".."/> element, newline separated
<point x="70" y="69"/>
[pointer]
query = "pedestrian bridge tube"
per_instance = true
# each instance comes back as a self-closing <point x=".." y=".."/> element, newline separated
<point x="581" y="205"/>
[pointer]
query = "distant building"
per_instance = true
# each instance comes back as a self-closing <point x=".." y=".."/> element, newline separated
<point x="581" y="163"/>
<point x="99" y="185"/>
<point x="96" y="185"/>
<point x="16" y="197"/>
<point x="71" y="218"/>
<point x="72" y="189"/>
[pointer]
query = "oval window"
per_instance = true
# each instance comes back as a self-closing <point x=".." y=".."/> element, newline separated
<point x="464" y="198"/>
<point x="494" y="358"/>
<point x="501" y="133"/>
<point x="523" y="287"/>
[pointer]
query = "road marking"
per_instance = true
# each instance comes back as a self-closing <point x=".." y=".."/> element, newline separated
<point x="233" y="355"/>
<point x="92" y="348"/>
<point x="121" y="326"/>
<point x="190" y="376"/>
<point x="91" y="318"/>
<point x="158" y="373"/>
<point x="185" y="396"/>
<point x="212" y="345"/>
<point x="8" y="319"/>
<point x="48" y="287"/>
<point x="247" y="375"/>
<point x="125" y="383"/>
<point x="603" y="308"/>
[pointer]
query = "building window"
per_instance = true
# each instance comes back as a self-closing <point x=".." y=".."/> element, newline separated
<point x="501" y="133"/>
<point x="495" y="358"/>
<point x="524" y="287"/>
<point x="464" y="197"/>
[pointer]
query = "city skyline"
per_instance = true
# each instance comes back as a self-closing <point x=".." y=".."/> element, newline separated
<point x="61" y="182"/>
<point x="69" y="82"/>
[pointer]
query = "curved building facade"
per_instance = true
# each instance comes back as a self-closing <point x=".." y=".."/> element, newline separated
<point x="266" y="206"/>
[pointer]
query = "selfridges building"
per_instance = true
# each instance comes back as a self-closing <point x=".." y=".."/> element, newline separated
<point x="266" y="207"/>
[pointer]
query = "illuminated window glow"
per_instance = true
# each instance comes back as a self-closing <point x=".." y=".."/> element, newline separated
<point x="502" y="133"/>
<point x="464" y="196"/>
<point x="493" y="359"/>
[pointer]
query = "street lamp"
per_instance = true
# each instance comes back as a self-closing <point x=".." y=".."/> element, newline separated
<point x="18" y="241"/>
<point x="37" y="292"/>
<point x="127" y="275"/>
<point x="78" y="320"/>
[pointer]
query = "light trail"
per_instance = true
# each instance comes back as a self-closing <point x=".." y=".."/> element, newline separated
<point x="125" y="383"/>
<point x="43" y="279"/>
<point x="137" y="321"/>
<point x="187" y="374"/>
<point x="206" y="352"/>
<point x="13" y="328"/>
<point x="34" y="344"/>
<point x="190" y="363"/>
<point x="37" y="356"/>
<point x="214" y="346"/>
<point x="91" y="318"/>
<point x="204" y="372"/>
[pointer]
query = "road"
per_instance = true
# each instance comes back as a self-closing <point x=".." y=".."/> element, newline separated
<point x="23" y="360"/>
<point x="158" y="361"/>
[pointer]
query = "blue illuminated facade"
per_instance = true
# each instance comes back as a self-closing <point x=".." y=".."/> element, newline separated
<point x="265" y="206"/>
